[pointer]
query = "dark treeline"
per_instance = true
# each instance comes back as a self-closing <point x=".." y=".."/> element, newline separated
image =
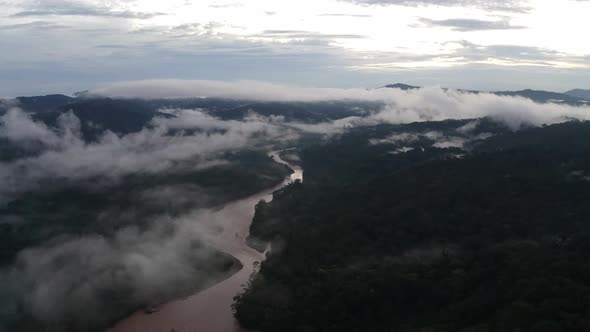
<point x="493" y="236"/>
<point x="123" y="114"/>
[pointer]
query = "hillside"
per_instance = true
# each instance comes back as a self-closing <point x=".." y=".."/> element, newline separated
<point x="579" y="93"/>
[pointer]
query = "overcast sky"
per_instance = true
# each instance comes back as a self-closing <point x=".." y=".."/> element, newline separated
<point x="49" y="46"/>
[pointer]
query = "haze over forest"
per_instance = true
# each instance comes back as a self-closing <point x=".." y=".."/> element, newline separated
<point x="331" y="165"/>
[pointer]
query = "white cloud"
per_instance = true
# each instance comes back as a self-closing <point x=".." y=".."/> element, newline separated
<point x="66" y="158"/>
<point x="143" y="261"/>
<point x="63" y="157"/>
<point x="136" y="266"/>
<point x="198" y="39"/>
<point x="427" y="104"/>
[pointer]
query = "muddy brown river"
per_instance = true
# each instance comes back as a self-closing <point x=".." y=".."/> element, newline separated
<point x="210" y="309"/>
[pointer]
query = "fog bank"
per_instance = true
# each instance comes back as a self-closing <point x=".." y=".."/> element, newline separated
<point x="401" y="106"/>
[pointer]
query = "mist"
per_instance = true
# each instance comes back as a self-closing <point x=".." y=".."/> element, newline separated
<point x="400" y="106"/>
<point x="83" y="281"/>
<point x="166" y="146"/>
<point x="66" y="281"/>
<point x="54" y="280"/>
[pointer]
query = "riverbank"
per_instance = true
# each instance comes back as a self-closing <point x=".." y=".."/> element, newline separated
<point x="210" y="310"/>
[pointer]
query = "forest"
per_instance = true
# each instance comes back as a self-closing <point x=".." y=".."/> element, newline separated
<point x="484" y="236"/>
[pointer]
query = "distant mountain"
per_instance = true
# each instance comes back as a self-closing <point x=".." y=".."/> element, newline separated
<point x="298" y="111"/>
<point x="402" y="86"/>
<point x="43" y="103"/>
<point x="117" y="115"/>
<point x="128" y="115"/>
<point x="538" y="96"/>
<point x="543" y="96"/>
<point x="579" y="93"/>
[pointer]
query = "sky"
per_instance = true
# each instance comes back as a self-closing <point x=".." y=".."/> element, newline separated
<point x="63" y="46"/>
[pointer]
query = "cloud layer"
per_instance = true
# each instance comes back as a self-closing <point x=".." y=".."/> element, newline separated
<point x="65" y="157"/>
<point x="463" y="24"/>
<point x="106" y="274"/>
<point x="339" y="43"/>
<point x="496" y="5"/>
<point x="427" y="104"/>
<point x="139" y="262"/>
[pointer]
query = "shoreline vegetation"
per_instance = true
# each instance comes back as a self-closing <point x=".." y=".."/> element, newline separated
<point x="230" y="268"/>
<point x="250" y="172"/>
<point x="491" y="236"/>
<point x="231" y="242"/>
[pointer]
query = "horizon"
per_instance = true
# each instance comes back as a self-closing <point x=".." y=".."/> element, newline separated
<point x="54" y="46"/>
<point x="108" y="91"/>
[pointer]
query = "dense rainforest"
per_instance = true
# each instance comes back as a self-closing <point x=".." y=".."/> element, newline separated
<point x="436" y="226"/>
<point x="104" y="212"/>
<point x="83" y="239"/>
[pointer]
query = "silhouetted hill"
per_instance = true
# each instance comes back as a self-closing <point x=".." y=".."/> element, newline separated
<point x="542" y="96"/>
<point x="579" y="93"/>
<point x="402" y="86"/>
<point x="298" y="111"/>
<point x="43" y="103"/>
<point x="577" y="97"/>
<point x="97" y="115"/>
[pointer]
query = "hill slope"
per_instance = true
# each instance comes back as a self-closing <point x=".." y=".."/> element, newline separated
<point x="579" y="93"/>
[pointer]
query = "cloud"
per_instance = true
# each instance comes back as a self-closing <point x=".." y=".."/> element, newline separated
<point x="435" y="104"/>
<point x="18" y="127"/>
<point x="507" y="52"/>
<point x="247" y="90"/>
<point x="76" y="8"/>
<point x="494" y="5"/>
<point x="226" y="5"/>
<point x="328" y="51"/>
<point x="346" y="15"/>
<point x="463" y="24"/>
<point x="137" y="264"/>
<point x="98" y="12"/>
<point x="462" y="53"/>
<point x="63" y="158"/>
<point x="426" y="104"/>
<point x="103" y="275"/>
<point x="36" y="25"/>
<point x="112" y="272"/>
<point x="192" y="139"/>
<point x="109" y="274"/>
<point x="438" y="139"/>
<point x="300" y="34"/>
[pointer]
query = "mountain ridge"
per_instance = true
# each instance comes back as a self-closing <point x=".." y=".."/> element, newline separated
<point x="579" y="93"/>
<point x="573" y="97"/>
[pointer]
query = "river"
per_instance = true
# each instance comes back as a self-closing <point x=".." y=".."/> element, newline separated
<point x="210" y="309"/>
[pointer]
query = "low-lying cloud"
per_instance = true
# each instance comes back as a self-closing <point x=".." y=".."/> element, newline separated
<point x="64" y="156"/>
<point x="426" y="104"/>
<point x="107" y="274"/>
<point x="52" y="280"/>
<point x="109" y="271"/>
<point x="464" y="24"/>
